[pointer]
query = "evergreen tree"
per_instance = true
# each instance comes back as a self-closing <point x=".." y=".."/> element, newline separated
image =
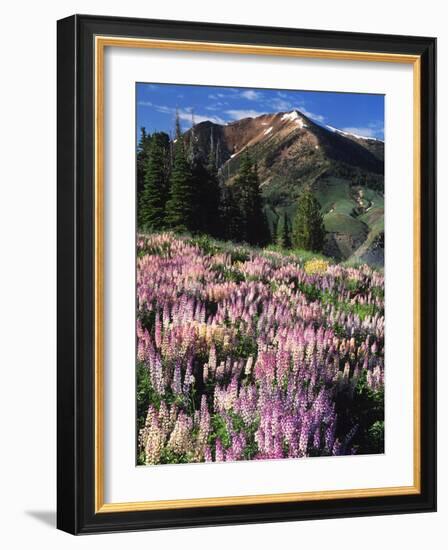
<point x="254" y="226"/>
<point x="200" y="181"/>
<point x="180" y="208"/>
<point x="274" y="228"/>
<point x="308" y="227"/>
<point x="151" y="206"/>
<point x="212" y="198"/>
<point x="259" y="228"/>
<point x="142" y="158"/>
<point x="230" y="219"/>
<point x="205" y="216"/>
<point x="177" y="127"/>
<point x="284" y="232"/>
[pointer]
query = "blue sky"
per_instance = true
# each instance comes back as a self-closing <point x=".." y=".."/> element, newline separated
<point x="361" y="114"/>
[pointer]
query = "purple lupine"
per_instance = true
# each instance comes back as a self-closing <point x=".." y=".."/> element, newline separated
<point x="219" y="451"/>
<point x="283" y="391"/>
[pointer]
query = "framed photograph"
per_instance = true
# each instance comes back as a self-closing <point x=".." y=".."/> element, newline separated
<point x="246" y="274"/>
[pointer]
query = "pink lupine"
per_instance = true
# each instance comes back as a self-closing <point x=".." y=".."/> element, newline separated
<point x="208" y="454"/>
<point x="219" y="451"/>
<point x="180" y="440"/>
<point x="176" y="384"/>
<point x="284" y="387"/>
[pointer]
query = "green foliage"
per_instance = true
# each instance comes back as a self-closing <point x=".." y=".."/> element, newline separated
<point x="344" y="223"/>
<point x="246" y="188"/>
<point x="147" y="318"/>
<point x="140" y="458"/>
<point x="151" y="211"/>
<point x="229" y="273"/>
<point x="375" y="436"/>
<point x="206" y="217"/>
<point x="237" y="422"/>
<point x="182" y="193"/>
<point x="205" y="244"/>
<point x="177" y="128"/>
<point x="251" y="449"/>
<point x="142" y="159"/>
<point x="245" y="346"/>
<point x="284" y="232"/>
<point x="230" y="215"/>
<point x="300" y="254"/>
<point x="355" y="308"/>
<point x="220" y="431"/>
<point x="180" y="208"/>
<point x="144" y="392"/>
<point x="209" y="201"/>
<point x="365" y="409"/>
<point x="308" y="227"/>
<point x="168" y="456"/>
<point x="311" y="292"/>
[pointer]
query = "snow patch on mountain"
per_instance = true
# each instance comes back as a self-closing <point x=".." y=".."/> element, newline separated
<point x="290" y="116"/>
<point x="350" y="134"/>
<point x="294" y="116"/>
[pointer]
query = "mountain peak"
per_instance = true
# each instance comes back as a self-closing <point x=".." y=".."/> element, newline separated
<point x="291" y="150"/>
<point x="295" y="116"/>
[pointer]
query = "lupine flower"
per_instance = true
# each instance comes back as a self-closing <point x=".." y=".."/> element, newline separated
<point x="260" y="359"/>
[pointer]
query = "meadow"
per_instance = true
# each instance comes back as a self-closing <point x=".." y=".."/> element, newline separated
<point x="255" y="354"/>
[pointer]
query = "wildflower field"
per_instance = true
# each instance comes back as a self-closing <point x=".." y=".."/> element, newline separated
<point x="249" y="354"/>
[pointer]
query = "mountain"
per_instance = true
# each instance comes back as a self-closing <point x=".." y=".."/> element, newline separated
<point x="345" y="172"/>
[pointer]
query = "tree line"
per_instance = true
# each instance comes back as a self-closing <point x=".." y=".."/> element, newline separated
<point x="178" y="190"/>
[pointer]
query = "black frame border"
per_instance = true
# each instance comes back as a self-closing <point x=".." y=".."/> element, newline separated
<point x="76" y="261"/>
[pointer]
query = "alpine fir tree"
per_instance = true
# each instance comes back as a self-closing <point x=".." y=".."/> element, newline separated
<point x="151" y="207"/>
<point x="142" y="159"/>
<point x="254" y="227"/>
<point x="200" y="177"/>
<point x="284" y="232"/>
<point x="205" y="184"/>
<point x="230" y="220"/>
<point x="211" y="200"/>
<point x="177" y="127"/>
<point x="180" y="207"/>
<point x="308" y="227"/>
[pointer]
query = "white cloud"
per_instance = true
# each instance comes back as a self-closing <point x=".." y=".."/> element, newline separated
<point x="217" y="96"/>
<point x="251" y="95"/>
<point x="186" y="116"/>
<point x="372" y="130"/>
<point x="312" y="116"/>
<point x="284" y="102"/>
<point x="378" y="127"/>
<point x="237" y="114"/>
<point x="164" y="109"/>
<point x="281" y="104"/>
<point x="231" y="93"/>
<point x="216" y="106"/>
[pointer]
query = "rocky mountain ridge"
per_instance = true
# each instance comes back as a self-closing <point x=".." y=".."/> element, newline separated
<point x="344" y="170"/>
